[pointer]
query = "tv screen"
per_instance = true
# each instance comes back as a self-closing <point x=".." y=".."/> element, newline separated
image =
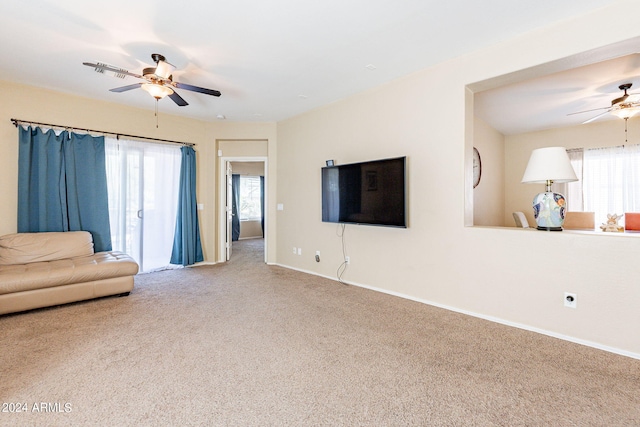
<point x="372" y="193"/>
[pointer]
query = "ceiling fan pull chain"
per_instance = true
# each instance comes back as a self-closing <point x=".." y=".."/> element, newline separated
<point x="156" y="113"/>
<point x="626" y="119"/>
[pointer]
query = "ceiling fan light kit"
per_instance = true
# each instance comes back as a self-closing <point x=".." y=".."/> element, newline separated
<point x="626" y="111"/>
<point x="156" y="90"/>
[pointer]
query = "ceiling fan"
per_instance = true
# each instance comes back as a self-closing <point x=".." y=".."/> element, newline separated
<point x="625" y="107"/>
<point x="158" y="80"/>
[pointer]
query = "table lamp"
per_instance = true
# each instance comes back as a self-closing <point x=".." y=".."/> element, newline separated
<point x="546" y="166"/>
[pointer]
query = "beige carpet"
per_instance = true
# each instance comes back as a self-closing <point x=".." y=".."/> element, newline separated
<point x="246" y="344"/>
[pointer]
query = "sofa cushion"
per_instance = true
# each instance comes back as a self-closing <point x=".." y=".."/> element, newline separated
<point x="36" y="275"/>
<point x="25" y="248"/>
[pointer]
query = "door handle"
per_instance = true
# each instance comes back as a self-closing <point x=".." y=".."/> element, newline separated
<point x="140" y="214"/>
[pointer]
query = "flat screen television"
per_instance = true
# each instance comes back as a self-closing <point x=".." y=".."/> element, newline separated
<point x="371" y="193"/>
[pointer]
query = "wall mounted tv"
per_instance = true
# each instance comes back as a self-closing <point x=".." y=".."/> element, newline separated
<point x="372" y="193"/>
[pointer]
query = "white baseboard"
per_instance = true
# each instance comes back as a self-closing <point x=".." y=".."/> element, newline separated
<point x="198" y="264"/>
<point x="480" y="316"/>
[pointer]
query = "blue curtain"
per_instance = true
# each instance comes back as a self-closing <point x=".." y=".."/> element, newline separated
<point x="62" y="184"/>
<point x="235" y="202"/>
<point x="187" y="249"/>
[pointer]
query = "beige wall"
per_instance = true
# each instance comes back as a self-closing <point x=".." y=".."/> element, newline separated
<point x="250" y="230"/>
<point x="488" y="196"/>
<point x="28" y="103"/>
<point x="502" y="273"/>
<point x="518" y="148"/>
<point x="248" y="168"/>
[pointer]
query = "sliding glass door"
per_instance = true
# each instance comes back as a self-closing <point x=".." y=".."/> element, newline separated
<point x="142" y="180"/>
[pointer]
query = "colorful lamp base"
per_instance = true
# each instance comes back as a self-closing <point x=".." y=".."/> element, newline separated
<point x="549" y="209"/>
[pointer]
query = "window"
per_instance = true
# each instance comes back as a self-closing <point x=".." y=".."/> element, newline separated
<point x="142" y="181"/>
<point x="250" y="195"/>
<point x="609" y="181"/>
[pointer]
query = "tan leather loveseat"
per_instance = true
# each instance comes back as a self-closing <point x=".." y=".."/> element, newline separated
<point x="45" y="269"/>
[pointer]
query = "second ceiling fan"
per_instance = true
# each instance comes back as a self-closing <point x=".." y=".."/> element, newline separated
<point x="158" y="80"/>
<point x="625" y="106"/>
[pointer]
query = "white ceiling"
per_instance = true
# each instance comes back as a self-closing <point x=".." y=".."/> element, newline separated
<point x="270" y="59"/>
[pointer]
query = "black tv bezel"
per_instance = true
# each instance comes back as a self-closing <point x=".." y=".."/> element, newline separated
<point x="376" y="224"/>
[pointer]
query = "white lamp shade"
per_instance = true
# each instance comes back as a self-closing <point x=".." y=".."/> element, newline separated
<point x="156" y="90"/>
<point x="164" y="69"/>
<point x="549" y="164"/>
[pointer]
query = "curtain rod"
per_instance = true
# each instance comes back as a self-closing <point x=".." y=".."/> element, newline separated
<point x="16" y="122"/>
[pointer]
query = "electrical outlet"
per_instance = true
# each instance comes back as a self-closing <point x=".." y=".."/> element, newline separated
<point x="317" y="256"/>
<point x="347" y="260"/>
<point x="295" y="250"/>
<point x="570" y="300"/>
<point x="299" y="251"/>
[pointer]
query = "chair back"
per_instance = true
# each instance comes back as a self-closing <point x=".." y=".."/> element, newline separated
<point x="521" y="220"/>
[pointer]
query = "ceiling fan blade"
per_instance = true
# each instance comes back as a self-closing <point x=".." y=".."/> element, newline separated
<point x="596" y="117"/>
<point x="588" y="111"/>
<point x="196" y="89"/>
<point x="126" y="88"/>
<point x="101" y="68"/>
<point x="178" y="99"/>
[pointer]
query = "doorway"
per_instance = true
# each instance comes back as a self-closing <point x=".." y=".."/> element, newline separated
<point x="246" y="219"/>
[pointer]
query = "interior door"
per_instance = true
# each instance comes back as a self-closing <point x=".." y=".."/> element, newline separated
<point x="229" y="210"/>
